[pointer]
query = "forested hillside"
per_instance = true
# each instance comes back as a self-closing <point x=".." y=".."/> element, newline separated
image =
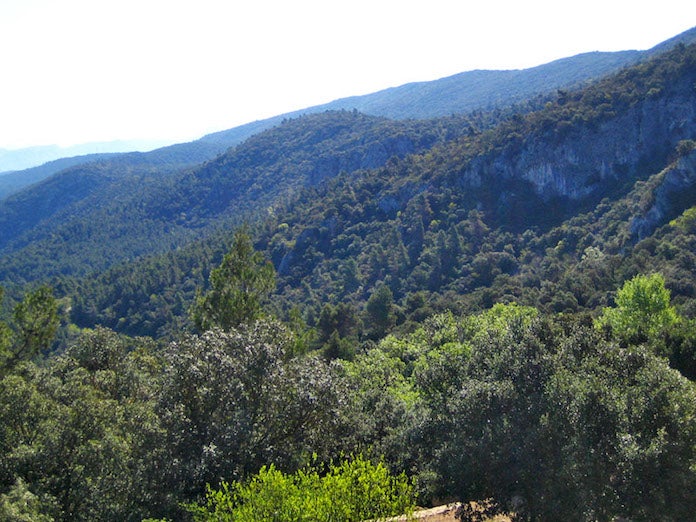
<point x="163" y="159"/>
<point x="496" y="306"/>
<point x="478" y="207"/>
<point x="101" y="218"/>
<point x="462" y="225"/>
<point x="11" y="182"/>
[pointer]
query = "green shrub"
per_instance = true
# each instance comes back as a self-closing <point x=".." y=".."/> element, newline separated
<point x="353" y="490"/>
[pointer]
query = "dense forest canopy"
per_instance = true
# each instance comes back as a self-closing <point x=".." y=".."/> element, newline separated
<point x="494" y="306"/>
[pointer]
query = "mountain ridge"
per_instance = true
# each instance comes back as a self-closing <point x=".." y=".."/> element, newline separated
<point x="174" y="205"/>
<point x="13" y="160"/>
<point x="592" y="65"/>
<point x="500" y="305"/>
<point x="455" y="94"/>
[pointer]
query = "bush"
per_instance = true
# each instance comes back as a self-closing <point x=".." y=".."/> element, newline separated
<point x="354" y="490"/>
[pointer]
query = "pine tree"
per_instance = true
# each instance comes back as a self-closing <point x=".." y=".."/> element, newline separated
<point x="237" y="288"/>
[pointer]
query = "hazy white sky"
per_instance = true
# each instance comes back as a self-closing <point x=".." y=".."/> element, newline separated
<point x="75" y="71"/>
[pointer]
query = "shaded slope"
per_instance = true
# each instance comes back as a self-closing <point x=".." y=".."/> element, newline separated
<point x="103" y="178"/>
<point x="89" y="217"/>
<point x="12" y="182"/>
<point x="166" y="158"/>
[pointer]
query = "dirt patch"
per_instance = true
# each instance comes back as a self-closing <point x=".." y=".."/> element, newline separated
<point x="471" y="511"/>
<point x="447" y="513"/>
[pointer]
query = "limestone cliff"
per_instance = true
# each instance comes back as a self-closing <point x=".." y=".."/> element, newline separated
<point x="614" y="143"/>
<point x="676" y="182"/>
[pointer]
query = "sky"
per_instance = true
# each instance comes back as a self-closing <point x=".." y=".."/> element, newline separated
<point x="78" y="71"/>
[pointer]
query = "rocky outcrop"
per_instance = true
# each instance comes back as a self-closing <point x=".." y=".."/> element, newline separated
<point x="677" y="180"/>
<point x="574" y="161"/>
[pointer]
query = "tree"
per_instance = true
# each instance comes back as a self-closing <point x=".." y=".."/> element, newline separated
<point x="338" y="328"/>
<point x="237" y="287"/>
<point x="21" y="505"/>
<point x="341" y="318"/>
<point x="643" y="311"/>
<point x="383" y="404"/>
<point x="34" y="325"/>
<point x="379" y="310"/>
<point x="551" y="413"/>
<point x="81" y="433"/>
<point x="234" y="401"/>
<point x="5" y="339"/>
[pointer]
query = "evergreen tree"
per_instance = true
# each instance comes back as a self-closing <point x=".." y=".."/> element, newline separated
<point x="379" y="312"/>
<point x="34" y="325"/>
<point x="237" y="287"/>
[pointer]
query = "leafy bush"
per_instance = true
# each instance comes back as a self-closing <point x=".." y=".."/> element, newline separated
<point x="354" y="490"/>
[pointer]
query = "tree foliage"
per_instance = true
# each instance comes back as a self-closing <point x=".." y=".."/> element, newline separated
<point x="234" y="401"/>
<point x="32" y="329"/>
<point x="643" y="310"/>
<point x="81" y="432"/>
<point x="237" y="288"/>
<point x="21" y="505"/>
<point x="409" y="274"/>
<point x="542" y="411"/>
<point x="570" y="425"/>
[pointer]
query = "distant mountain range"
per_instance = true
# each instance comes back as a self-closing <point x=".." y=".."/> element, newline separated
<point x="472" y="90"/>
<point x="497" y="297"/>
<point x="179" y="155"/>
<point x="20" y="159"/>
<point x="552" y="205"/>
<point x="457" y="94"/>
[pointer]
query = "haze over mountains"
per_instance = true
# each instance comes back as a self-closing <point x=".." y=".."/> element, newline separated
<point x="464" y="92"/>
<point x="20" y="159"/>
<point x="472" y="90"/>
<point x="187" y="191"/>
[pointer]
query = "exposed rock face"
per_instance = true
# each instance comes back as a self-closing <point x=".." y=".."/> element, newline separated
<point x="679" y="179"/>
<point x="634" y="143"/>
<point x="372" y="155"/>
